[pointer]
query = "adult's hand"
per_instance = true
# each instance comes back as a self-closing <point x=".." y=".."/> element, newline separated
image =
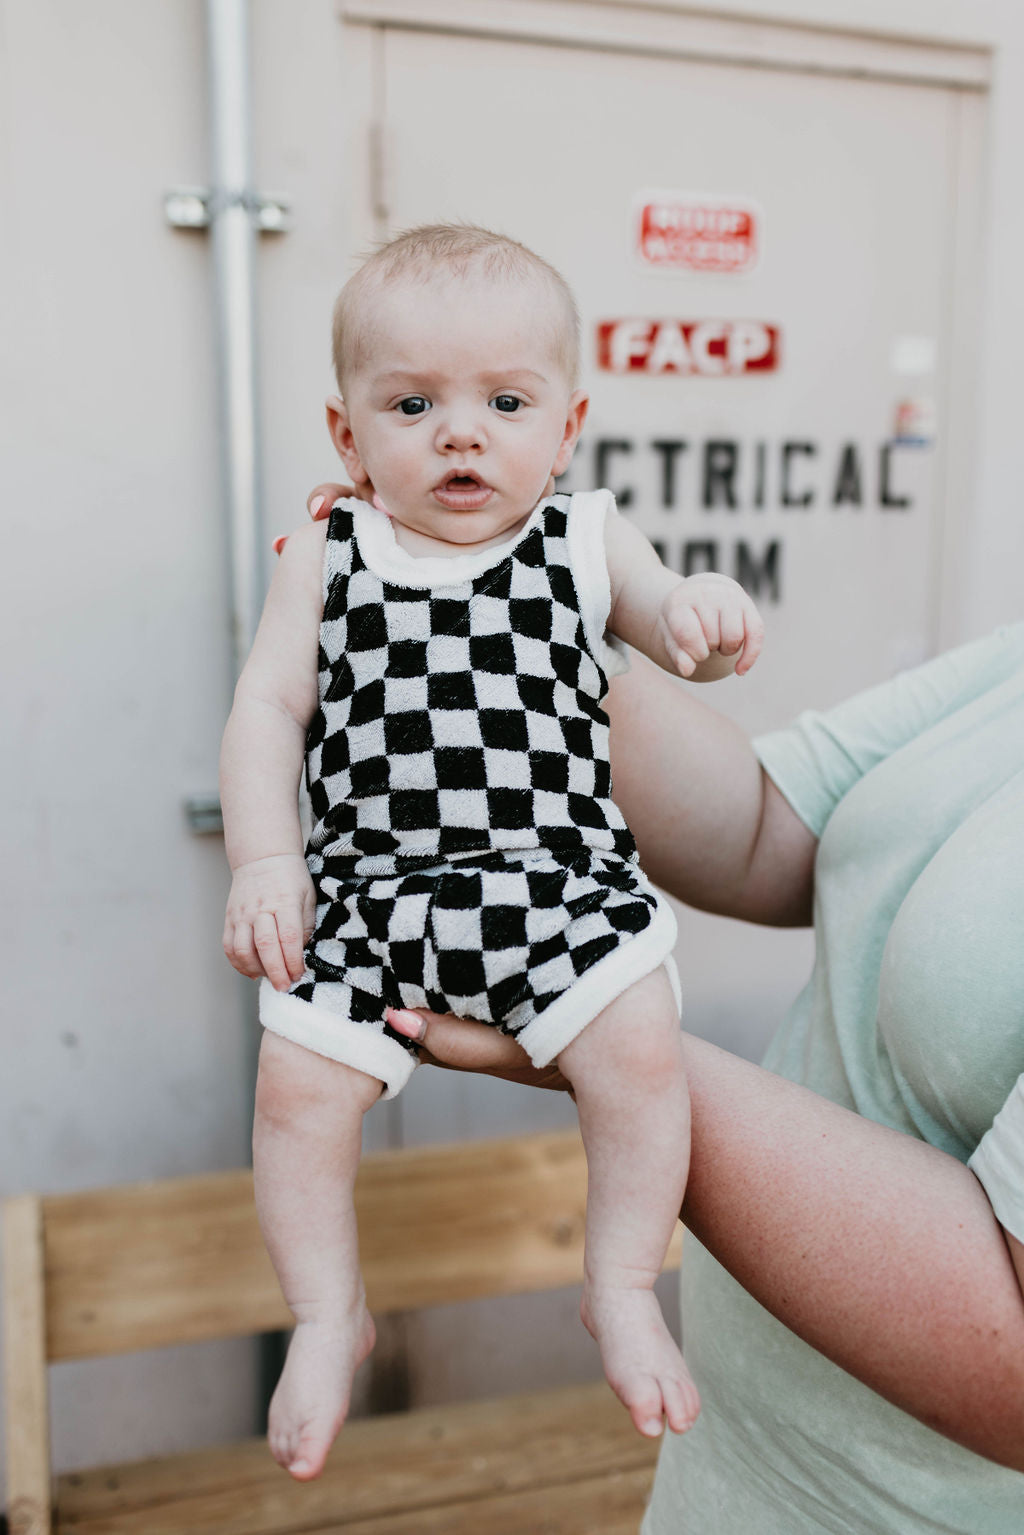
<point x="462" y="1045"/>
<point x="319" y="502"/>
<point x="322" y="497"/>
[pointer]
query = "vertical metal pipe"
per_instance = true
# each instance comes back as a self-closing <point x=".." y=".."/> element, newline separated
<point x="232" y="206"/>
<point x="233" y="232"/>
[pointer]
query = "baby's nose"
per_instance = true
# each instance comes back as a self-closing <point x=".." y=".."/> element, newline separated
<point x="462" y="430"/>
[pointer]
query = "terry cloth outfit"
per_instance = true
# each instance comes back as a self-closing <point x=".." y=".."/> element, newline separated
<point x="466" y="852"/>
<point x="914" y="1018"/>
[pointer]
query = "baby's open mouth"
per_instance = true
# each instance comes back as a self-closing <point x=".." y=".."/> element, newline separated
<point x="463" y="491"/>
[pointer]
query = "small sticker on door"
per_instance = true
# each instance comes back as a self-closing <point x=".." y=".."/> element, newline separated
<point x="698" y="232"/>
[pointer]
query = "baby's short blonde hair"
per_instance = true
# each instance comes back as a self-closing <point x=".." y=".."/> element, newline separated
<point x="461" y="249"/>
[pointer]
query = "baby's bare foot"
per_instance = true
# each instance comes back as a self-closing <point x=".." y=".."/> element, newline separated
<point x="641" y="1361"/>
<point x="311" y="1400"/>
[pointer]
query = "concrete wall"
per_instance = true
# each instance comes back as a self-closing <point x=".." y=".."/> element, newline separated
<point x="128" y="1043"/>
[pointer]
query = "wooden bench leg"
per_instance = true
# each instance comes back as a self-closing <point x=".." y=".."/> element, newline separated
<point x="29" y="1510"/>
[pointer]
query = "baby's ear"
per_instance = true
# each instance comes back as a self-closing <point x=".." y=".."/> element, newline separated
<point x="341" y="435"/>
<point x="575" y="417"/>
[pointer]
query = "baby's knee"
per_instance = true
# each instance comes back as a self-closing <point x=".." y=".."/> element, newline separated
<point x="294" y="1081"/>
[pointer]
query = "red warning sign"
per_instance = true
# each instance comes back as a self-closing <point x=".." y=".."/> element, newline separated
<point x="707" y="348"/>
<point x="695" y="233"/>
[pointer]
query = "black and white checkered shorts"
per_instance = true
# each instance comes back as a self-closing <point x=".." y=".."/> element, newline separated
<point x="536" y="943"/>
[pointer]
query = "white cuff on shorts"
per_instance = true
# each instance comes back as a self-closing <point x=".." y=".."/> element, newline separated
<point x="559" y="1024"/>
<point x="362" y="1045"/>
<point x="998" y="1163"/>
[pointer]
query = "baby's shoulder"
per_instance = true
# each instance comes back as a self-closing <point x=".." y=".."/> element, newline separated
<point x="305" y="544"/>
<point x="298" y="578"/>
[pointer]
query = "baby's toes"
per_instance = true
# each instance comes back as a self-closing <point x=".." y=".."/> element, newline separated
<point x="308" y="1458"/>
<point x="281" y="1443"/>
<point x="641" y="1395"/>
<point x="682" y="1403"/>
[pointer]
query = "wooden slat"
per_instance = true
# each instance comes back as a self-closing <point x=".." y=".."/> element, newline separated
<point x="26" y="1402"/>
<point x="610" y="1504"/>
<point x="493" y="1466"/>
<point x="452" y="1223"/>
<point x="181" y="1260"/>
<point x="149" y="1264"/>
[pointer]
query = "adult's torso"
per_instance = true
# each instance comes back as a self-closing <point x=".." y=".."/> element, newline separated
<point x="913" y="1016"/>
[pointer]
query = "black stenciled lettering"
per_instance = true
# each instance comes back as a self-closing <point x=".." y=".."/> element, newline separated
<point x="760" y="463"/>
<point x="885" y="494"/>
<point x="760" y="575"/>
<point x="719" y="478"/>
<point x="605" y="450"/>
<point x="791" y="450"/>
<point x="699" y="555"/>
<point x="849" y="480"/>
<point x="669" y="449"/>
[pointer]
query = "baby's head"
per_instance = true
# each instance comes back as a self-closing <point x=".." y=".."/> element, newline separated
<point x="457" y="353"/>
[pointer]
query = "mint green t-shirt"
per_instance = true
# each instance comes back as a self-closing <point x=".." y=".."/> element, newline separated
<point x="914" y="1017"/>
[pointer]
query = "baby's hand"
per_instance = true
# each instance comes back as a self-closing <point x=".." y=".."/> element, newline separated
<point x="710" y="628"/>
<point x="271" y="911"/>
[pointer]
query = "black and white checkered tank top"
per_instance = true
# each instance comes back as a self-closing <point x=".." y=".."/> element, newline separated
<point x="460" y="700"/>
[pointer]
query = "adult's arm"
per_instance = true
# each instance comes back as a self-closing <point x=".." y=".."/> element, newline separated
<point x="710" y="825"/>
<point x="877" y="1249"/>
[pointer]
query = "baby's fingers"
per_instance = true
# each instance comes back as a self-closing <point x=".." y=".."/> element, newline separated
<point x="732" y="631"/>
<point x="240" y="948"/>
<point x="686" y="640"/>
<point x="753" y="640"/>
<point x="268" y="946"/>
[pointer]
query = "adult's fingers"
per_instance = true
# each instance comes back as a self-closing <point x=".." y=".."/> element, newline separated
<point x="322" y="497"/>
<point x="461" y="1044"/>
<point x="458" y="1042"/>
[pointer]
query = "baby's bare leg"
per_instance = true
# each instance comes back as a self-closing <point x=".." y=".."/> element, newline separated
<point x="626" y="1069"/>
<point x="306" y="1143"/>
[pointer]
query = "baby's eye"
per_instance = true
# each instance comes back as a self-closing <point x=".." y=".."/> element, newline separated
<point x="508" y="404"/>
<point x="413" y="405"/>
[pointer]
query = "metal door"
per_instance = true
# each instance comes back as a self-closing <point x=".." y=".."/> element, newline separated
<point x="816" y="482"/>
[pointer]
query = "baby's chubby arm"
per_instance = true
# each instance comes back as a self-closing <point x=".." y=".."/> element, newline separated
<point x="272" y="902"/>
<point x="702" y="627"/>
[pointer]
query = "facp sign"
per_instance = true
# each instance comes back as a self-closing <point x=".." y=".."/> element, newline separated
<point x="693" y="232"/>
<point x="706" y="348"/>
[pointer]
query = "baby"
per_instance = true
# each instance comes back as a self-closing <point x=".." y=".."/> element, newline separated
<point x="439" y="659"/>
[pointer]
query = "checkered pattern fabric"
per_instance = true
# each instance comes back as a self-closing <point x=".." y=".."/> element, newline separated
<point x="458" y="719"/>
<point x="467" y="853"/>
<point x="497" y="939"/>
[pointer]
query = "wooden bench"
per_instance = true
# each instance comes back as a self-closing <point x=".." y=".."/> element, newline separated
<point x="145" y="1265"/>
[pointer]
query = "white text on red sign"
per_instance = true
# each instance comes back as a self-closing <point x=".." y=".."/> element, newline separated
<point x="706" y="348"/>
<point x="698" y="234"/>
